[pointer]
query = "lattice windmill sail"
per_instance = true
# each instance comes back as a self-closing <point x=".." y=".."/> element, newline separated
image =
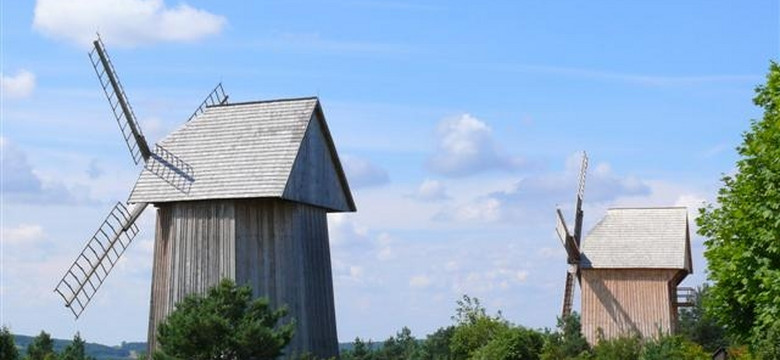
<point x="571" y="241"/>
<point x="101" y="253"/>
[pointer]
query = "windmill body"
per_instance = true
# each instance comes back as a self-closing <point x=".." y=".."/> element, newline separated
<point x="241" y="191"/>
<point x="631" y="264"/>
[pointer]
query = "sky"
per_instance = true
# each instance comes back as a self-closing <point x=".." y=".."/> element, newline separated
<point x="460" y="126"/>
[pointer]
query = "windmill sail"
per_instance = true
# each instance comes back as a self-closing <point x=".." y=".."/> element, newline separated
<point x="115" y="94"/>
<point x="215" y="97"/>
<point x="571" y="242"/>
<point x="100" y="254"/>
<point x="171" y="168"/>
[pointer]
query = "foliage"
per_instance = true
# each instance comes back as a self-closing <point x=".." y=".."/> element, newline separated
<point x="512" y="343"/>
<point x="567" y="342"/>
<point x="75" y="350"/>
<point x="360" y="351"/>
<point x="437" y="345"/>
<point x="673" y="347"/>
<point x="402" y="346"/>
<point x="620" y="348"/>
<point x="41" y="348"/>
<point x="474" y="328"/>
<point x="743" y="251"/>
<point x="696" y="325"/>
<point x="7" y="345"/>
<point x="224" y="324"/>
<point x="768" y="346"/>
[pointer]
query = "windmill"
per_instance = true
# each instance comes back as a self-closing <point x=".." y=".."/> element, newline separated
<point x="101" y="253"/>
<point x="571" y="242"/>
<point x="241" y="191"/>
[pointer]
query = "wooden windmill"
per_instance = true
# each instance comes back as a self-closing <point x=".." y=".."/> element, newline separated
<point x="628" y="268"/>
<point x="571" y="241"/>
<point x="242" y="191"/>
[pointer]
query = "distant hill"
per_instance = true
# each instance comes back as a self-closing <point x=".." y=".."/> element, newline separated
<point x="99" y="351"/>
<point x="127" y="350"/>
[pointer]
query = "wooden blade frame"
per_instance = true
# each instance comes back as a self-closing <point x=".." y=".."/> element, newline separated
<point x="100" y="254"/>
<point x="215" y="97"/>
<point x="571" y="242"/>
<point x="123" y="112"/>
<point x="171" y="168"/>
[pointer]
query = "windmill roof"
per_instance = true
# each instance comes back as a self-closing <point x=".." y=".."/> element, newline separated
<point x="251" y="150"/>
<point x="652" y="238"/>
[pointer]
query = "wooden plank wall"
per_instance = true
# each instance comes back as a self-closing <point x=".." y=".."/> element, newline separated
<point x="279" y="248"/>
<point x="624" y="301"/>
<point x="283" y="253"/>
<point x="194" y="250"/>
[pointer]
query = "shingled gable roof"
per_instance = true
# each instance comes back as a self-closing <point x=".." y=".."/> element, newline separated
<point x="265" y="149"/>
<point x="648" y="238"/>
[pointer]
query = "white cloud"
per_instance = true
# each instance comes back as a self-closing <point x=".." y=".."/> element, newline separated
<point x="124" y="22"/>
<point x="483" y="209"/>
<point x="17" y="86"/>
<point x="22" y="234"/>
<point x="363" y="173"/>
<point x="431" y="190"/>
<point x="466" y="146"/>
<point x="420" y="281"/>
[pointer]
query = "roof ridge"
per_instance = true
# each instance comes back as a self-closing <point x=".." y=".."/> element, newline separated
<point x="265" y="101"/>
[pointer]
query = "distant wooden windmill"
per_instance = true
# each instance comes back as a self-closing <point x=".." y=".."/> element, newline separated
<point x="242" y="191"/>
<point x="629" y="268"/>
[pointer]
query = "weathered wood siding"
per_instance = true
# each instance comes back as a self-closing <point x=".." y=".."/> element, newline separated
<point x="316" y="177"/>
<point x="194" y="250"/>
<point x="625" y="301"/>
<point x="283" y="253"/>
<point x="277" y="247"/>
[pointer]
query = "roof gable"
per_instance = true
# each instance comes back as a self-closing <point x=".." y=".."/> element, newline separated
<point x="243" y="150"/>
<point x="650" y="238"/>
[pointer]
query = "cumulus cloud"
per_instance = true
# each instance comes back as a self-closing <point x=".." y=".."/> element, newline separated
<point x="546" y="191"/>
<point x="420" y="281"/>
<point x="22" y="234"/>
<point x="19" y="183"/>
<point x="363" y="173"/>
<point x="125" y="22"/>
<point x="17" y="86"/>
<point x="431" y="190"/>
<point x="465" y="146"/>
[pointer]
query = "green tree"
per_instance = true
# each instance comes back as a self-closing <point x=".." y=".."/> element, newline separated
<point x="8" y="348"/>
<point x="742" y="247"/>
<point x="474" y="328"/>
<point x="437" y="345"/>
<point x="360" y="351"/>
<point x="673" y="347"/>
<point x="697" y="326"/>
<point x="510" y="344"/>
<point x="75" y="350"/>
<point x="41" y="348"/>
<point x="620" y="348"/>
<point x="567" y="342"/>
<point x="224" y="324"/>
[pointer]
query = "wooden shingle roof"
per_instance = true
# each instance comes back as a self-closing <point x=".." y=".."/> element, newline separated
<point x="651" y="238"/>
<point x="267" y="149"/>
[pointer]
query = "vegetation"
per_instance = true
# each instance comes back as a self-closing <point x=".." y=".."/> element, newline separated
<point x="742" y="231"/>
<point x="224" y="324"/>
<point x="8" y="348"/>
<point x="698" y="326"/>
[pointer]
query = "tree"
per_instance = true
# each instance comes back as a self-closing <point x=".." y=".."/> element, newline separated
<point x="224" y="324"/>
<point x="75" y="350"/>
<point x="474" y="328"/>
<point x="437" y="345"/>
<point x="8" y="345"/>
<point x="41" y="348"/>
<point x="697" y="326"/>
<point x="673" y="347"/>
<point x="512" y="343"/>
<point x="567" y="342"/>
<point x="360" y="351"/>
<point x="742" y="247"/>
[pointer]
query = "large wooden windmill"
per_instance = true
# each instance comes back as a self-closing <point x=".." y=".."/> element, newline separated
<point x="629" y="268"/>
<point x="242" y="191"/>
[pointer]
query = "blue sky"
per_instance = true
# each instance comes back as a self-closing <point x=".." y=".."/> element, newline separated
<point x="459" y="125"/>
